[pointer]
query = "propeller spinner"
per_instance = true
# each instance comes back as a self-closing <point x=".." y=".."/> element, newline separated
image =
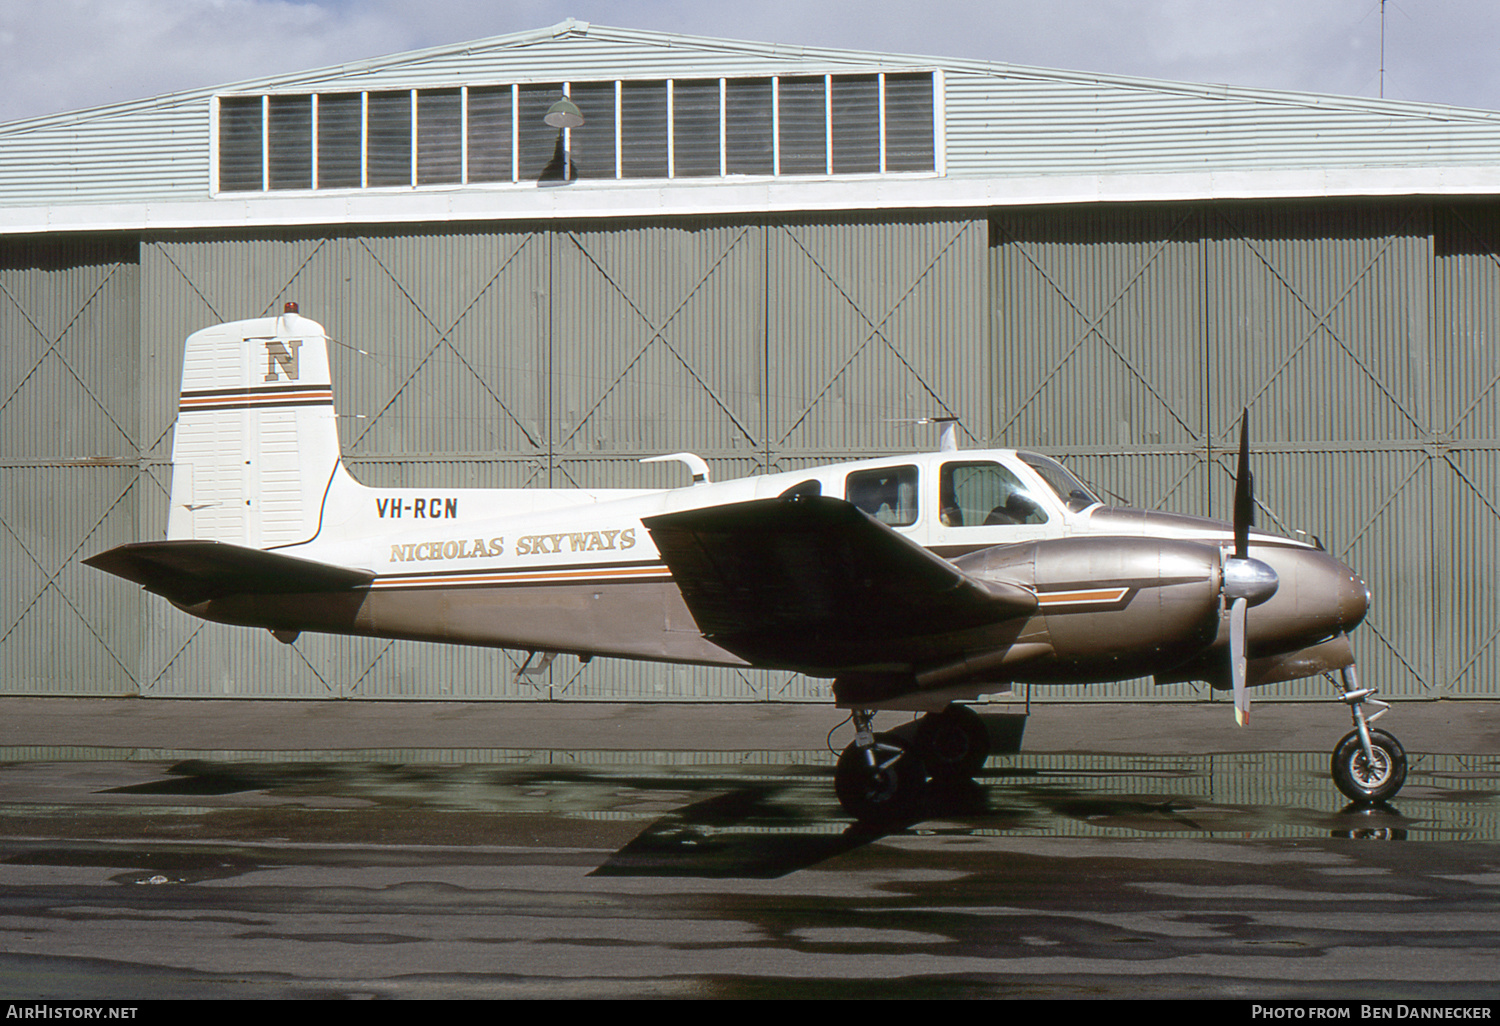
<point x="1247" y="582"/>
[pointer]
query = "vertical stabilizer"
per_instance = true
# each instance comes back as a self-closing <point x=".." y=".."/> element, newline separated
<point x="256" y="443"/>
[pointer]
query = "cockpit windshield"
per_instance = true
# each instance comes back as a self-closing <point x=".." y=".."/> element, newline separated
<point x="1069" y="489"/>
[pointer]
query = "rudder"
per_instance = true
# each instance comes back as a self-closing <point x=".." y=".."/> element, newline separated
<point x="256" y="444"/>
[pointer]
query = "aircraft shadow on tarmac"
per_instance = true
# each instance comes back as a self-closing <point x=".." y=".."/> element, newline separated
<point x="702" y="840"/>
<point x="760" y="831"/>
<point x="736" y="834"/>
<point x="710" y="820"/>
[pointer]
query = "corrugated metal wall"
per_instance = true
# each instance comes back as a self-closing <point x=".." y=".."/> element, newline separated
<point x="69" y="447"/>
<point x="1464" y="449"/>
<point x="1124" y="339"/>
<point x="1355" y="334"/>
<point x="541" y="357"/>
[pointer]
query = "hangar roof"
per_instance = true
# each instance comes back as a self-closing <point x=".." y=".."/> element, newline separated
<point x="690" y="125"/>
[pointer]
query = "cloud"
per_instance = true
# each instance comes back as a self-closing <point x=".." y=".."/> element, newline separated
<point x="58" y="55"/>
<point x="67" y="54"/>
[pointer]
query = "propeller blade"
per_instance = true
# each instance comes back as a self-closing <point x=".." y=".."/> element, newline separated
<point x="1237" y="661"/>
<point x="1244" y="493"/>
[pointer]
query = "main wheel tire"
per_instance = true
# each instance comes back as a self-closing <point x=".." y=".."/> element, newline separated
<point x="1363" y="781"/>
<point x="953" y="743"/>
<point x="890" y="789"/>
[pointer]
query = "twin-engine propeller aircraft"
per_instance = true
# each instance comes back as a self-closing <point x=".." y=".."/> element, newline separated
<point x="913" y="581"/>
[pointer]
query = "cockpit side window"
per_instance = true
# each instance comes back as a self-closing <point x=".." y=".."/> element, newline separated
<point x="1069" y="489"/>
<point x="888" y="494"/>
<point x="985" y="495"/>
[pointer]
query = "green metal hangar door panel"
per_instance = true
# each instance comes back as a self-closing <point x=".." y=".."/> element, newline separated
<point x="560" y="357"/>
<point x="1099" y="357"/>
<point x="875" y="324"/>
<point x="1319" y="321"/>
<point x="656" y="346"/>
<point x="1465" y="448"/>
<point x="70" y="441"/>
<point x="439" y="365"/>
<point x="1128" y="340"/>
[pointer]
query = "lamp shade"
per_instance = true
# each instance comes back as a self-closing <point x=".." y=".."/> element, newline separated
<point x="564" y="114"/>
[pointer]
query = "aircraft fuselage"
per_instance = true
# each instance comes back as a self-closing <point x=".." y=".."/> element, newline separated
<point x="1120" y="592"/>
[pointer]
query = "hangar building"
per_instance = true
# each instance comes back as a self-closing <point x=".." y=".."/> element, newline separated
<point x="772" y="256"/>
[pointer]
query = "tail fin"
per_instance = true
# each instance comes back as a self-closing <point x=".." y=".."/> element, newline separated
<point x="256" y="446"/>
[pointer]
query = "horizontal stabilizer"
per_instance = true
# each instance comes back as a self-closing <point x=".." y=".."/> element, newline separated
<point x="189" y="572"/>
<point x="810" y="580"/>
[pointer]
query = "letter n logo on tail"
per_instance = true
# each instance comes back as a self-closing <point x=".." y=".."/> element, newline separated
<point x="282" y="355"/>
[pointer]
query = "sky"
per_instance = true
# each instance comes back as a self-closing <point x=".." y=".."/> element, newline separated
<point x="62" y="55"/>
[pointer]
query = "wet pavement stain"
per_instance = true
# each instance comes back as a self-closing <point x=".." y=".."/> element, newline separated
<point x="1049" y="876"/>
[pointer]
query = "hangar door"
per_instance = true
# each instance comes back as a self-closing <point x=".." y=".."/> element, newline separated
<point x="70" y="440"/>
<point x="548" y="357"/>
<point x="1129" y="341"/>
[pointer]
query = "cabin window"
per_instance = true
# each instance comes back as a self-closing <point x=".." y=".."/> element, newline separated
<point x="985" y="495"/>
<point x="888" y="494"/>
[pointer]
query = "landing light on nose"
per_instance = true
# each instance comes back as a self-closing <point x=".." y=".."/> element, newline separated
<point x="1354" y="601"/>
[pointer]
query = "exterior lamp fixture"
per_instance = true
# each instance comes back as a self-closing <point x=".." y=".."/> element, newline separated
<point x="564" y="114"/>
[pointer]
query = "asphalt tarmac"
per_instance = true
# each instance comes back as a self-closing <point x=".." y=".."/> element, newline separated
<point x="240" y="849"/>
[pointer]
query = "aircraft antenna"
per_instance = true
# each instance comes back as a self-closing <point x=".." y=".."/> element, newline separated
<point x="947" y="439"/>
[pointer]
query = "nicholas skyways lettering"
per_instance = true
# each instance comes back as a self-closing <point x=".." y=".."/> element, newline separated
<point x="466" y="548"/>
<point x="575" y="541"/>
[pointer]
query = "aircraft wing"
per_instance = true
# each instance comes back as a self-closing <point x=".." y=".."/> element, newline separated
<point x="189" y="572"/>
<point x="813" y="580"/>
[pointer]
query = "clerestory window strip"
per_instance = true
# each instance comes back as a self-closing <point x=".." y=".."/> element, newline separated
<point x="690" y="128"/>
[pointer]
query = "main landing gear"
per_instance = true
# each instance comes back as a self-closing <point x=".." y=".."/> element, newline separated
<point x="883" y="777"/>
<point x="1369" y="766"/>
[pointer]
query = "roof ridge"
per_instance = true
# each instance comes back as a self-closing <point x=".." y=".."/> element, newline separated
<point x="575" y="28"/>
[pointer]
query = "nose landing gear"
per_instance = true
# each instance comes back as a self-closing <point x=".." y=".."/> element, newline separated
<point x="1369" y="766"/>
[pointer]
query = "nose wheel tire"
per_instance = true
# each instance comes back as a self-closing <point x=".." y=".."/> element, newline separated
<point x="954" y="743"/>
<point x="882" y="781"/>
<point x="1364" y="780"/>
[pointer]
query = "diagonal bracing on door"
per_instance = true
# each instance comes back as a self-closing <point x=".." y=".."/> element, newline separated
<point x="443" y="339"/>
<point x="1484" y="500"/>
<point x="50" y="581"/>
<point x="165" y="252"/>
<point x="876" y="330"/>
<point x="51" y="349"/>
<point x="657" y="333"/>
<point x="1320" y="321"/>
<point x="1093" y="326"/>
